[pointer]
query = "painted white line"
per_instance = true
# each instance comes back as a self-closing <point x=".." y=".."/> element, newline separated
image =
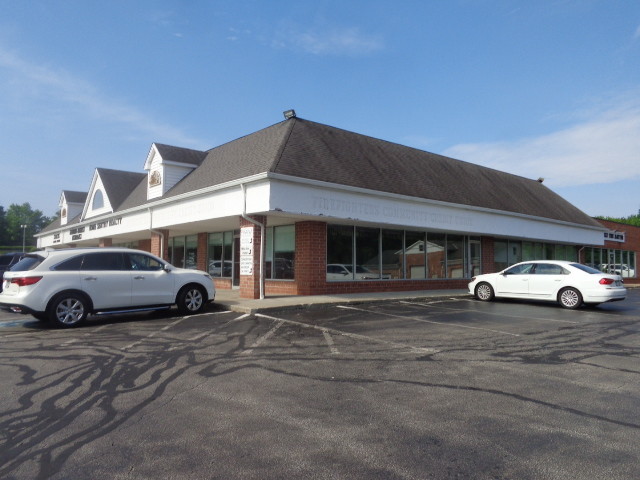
<point x="153" y="334"/>
<point x="74" y="340"/>
<point x="496" y="314"/>
<point x="332" y="346"/>
<point x="198" y="337"/>
<point x="356" y="336"/>
<point x="263" y="338"/>
<point x="408" y="317"/>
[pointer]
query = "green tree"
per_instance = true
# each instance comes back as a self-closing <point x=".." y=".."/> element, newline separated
<point x="3" y="227"/>
<point x="630" y="220"/>
<point x="19" y="215"/>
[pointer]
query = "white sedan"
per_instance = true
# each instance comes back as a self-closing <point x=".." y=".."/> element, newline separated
<point x="569" y="283"/>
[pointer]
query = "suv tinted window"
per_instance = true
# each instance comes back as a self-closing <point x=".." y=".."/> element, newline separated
<point x="103" y="261"/>
<point x="28" y="262"/>
<point x="70" y="264"/>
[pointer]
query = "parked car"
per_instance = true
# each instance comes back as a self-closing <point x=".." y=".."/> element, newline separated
<point x="218" y="268"/>
<point x="568" y="283"/>
<point x="8" y="260"/>
<point x="64" y="286"/>
<point x="618" y="269"/>
<point x="341" y="271"/>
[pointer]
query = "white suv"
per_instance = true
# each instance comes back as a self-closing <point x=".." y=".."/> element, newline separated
<point x="64" y="286"/>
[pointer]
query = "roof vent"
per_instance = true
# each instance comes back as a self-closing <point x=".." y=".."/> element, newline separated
<point x="540" y="179"/>
<point x="289" y="114"/>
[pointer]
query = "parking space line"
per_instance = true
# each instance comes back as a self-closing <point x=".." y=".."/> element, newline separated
<point x="355" y="336"/>
<point x="492" y="313"/>
<point x="332" y="346"/>
<point x="154" y="333"/>
<point x="84" y="335"/>
<point x="409" y="317"/>
<point x="263" y="338"/>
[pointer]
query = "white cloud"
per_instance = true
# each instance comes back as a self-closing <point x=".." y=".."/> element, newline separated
<point x="343" y="41"/>
<point x="33" y="83"/>
<point x="602" y="149"/>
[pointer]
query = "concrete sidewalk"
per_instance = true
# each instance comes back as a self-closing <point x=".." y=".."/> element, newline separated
<point x="230" y="299"/>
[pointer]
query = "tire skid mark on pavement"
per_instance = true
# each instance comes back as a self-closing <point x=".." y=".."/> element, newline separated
<point x="355" y="336"/>
<point x="491" y="313"/>
<point x="447" y="324"/>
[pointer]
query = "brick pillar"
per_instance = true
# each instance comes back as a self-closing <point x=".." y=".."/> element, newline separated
<point x="105" y="242"/>
<point x="311" y="257"/>
<point x="156" y="242"/>
<point x="250" y="284"/>
<point x="488" y="258"/>
<point x="203" y="246"/>
<point x="145" y="245"/>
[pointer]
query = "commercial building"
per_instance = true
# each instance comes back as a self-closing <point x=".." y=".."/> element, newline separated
<point x="303" y="208"/>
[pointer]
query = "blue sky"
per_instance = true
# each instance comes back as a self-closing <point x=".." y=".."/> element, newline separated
<point x="545" y="88"/>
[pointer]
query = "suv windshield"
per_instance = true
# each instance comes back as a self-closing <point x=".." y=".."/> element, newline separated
<point x="28" y="262"/>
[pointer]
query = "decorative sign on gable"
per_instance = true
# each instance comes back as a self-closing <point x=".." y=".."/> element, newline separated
<point x="155" y="178"/>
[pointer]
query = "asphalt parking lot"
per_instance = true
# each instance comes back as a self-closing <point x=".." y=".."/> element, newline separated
<point x="434" y="389"/>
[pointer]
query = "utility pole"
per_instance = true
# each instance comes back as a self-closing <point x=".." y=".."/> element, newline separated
<point x="24" y="230"/>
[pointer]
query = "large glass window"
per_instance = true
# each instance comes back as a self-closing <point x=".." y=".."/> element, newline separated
<point x="392" y="254"/>
<point x="475" y="257"/>
<point x="436" y="254"/>
<point x="455" y="256"/>
<point x="415" y="254"/>
<point x="339" y="252"/>
<point x="191" y="252"/>
<point x="367" y="253"/>
<point x="363" y="253"/>
<point x="176" y="251"/>
<point x="220" y="254"/>
<point x="281" y="258"/>
<point x="500" y="255"/>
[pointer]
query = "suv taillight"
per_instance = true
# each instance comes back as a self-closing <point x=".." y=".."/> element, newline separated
<point x="24" y="281"/>
<point x="606" y="281"/>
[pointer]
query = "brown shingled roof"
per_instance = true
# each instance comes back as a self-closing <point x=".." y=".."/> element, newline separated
<point x="305" y="149"/>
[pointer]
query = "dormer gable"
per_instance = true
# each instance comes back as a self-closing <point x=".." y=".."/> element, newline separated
<point x="109" y="188"/>
<point x="167" y="165"/>
<point x="71" y="205"/>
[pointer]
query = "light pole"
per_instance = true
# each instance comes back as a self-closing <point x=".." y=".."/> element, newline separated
<point x="24" y="230"/>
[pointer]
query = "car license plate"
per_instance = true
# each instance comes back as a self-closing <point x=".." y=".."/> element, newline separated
<point x="618" y="283"/>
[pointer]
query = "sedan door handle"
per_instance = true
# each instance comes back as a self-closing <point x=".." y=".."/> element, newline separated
<point x="89" y="279"/>
<point x="139" y="277"/>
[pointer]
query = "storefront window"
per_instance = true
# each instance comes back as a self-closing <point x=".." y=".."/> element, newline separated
<point x="339" y="252"/>
<point x="392" y="254"/>
<point x="398" y="254"/>
<point x="475" y="257"/>
<point x="436" y="250"/>
<point x="455" y="256"/>
<point x="367" y="253"/>
<point x="283" y="254"/>
<point x="176" y="251"/>
<point x="415" y="255"/>
<point x="191" y="252"/>
<point x="220" y="254"/>
<point x="500" y="255"/>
